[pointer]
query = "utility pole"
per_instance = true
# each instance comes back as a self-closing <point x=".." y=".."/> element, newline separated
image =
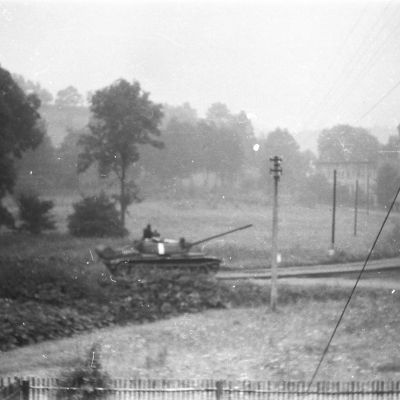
<point x="333" y="213"/>
<point x="276" y="171"/>
<point x="355" y="208"/>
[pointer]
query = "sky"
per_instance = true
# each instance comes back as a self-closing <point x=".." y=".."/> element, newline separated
<point x="299" y="65"/>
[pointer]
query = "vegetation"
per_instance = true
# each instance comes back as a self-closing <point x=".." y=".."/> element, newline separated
<point x="242" y="343"/>
<point x="344" y="143"/>
<point x="387" y="182"/>
<point x="86" y="376"/>
<point x="123" y="118"/>
<point x="48" y="298"/>
<point x="95" y="216"/>
<point x="19" y="131"/>
<point x="34" y="213"/>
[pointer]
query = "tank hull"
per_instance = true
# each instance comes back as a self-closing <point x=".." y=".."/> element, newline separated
<point x="191" y="262"/>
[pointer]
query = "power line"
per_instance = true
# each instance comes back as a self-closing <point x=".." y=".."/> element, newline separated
<point x="381" y="99"/>
<point x="334" y="58"/>
<point x="353" y="290"/>
<point x="348" y="68"/>
<point x="365" y="69"/>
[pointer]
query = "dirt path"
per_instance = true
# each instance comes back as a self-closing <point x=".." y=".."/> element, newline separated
<point x="384" y="284"/>
<point x="315" y="271"/>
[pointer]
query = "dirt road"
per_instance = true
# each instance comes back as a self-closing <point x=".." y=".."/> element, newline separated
<point x="379" y="274"/>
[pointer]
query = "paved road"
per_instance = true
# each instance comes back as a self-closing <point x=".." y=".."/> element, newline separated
<point x="315" y="271"/>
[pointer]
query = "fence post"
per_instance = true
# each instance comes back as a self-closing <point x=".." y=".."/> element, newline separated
<point x="219" y="387"/>
<point x="25" y="390"/>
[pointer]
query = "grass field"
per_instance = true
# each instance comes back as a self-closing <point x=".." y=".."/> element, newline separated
<point x="304" y="233"/>
<point x="243" y="343"/>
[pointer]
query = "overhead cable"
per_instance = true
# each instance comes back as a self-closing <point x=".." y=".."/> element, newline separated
<point x="352" y="291"/>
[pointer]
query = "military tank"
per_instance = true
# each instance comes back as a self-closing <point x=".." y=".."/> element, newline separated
<point x="157" y="252"/>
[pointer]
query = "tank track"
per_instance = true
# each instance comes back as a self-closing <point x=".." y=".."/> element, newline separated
<point x="205" y="265"/>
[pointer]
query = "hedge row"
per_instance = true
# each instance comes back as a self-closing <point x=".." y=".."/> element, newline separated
<point x="40" y="300"/>
<point x="46" y="299"/>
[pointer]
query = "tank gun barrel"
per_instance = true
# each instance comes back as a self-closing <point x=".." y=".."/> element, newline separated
<point x="219" y="235"/>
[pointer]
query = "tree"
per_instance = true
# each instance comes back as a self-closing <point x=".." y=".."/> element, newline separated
<point x="95" y="216"/>
<point x="19" y="131"/>
<point x="38" y="169"/>
<point x="34" y="213"/>
<point x="387" y="180"/>
<point x="183" y="113"/>
<point x="33" y="87"/>
<point x="123" y="118"/>
<point x="295" y="164"/>
<point x="226" y="137"/>
<point x="346" y="143"/>
<point x="69" y="97"/>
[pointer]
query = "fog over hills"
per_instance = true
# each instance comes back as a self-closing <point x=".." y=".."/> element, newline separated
<point x="58" y="121"/>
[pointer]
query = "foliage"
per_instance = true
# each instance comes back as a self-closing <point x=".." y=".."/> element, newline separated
<point x="6" y="218"/>
<point x="183" y="114"/>
<point x="343" y="143"/>
<point x="24" y="323"/>
<point x="67" y="300"/>
<point x="389" y="245"/>
<point x="38" y="169"/>
<point x="316" y="190"/>
<point x="52" y="280"/>
<point x="295" y="164"/>
<point x="29" y="87"/>
<point x="68" y="97"/>
<point x="34" y="213"/>
<point x="19" y="131"/>
<point x="95" y="216"/>
<point x="68" y="159"/>
<point x="87" y="377"/>
<point x="123" y="118"/>
<point x="387" y="181"/>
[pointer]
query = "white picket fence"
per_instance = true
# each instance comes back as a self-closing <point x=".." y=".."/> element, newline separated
<point x="33" y="388"/>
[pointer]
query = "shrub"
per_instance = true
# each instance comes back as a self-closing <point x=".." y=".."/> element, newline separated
<point x="6" y="218"/>
<point x="53" y="280"/>
<point x="85" y="378"/>
<point x="95" y="216"/>
<point x="389" y="245"/>
<point x="34" y="213"/>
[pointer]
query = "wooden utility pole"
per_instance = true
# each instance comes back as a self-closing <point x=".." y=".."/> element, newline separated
<point x="276" y="171"/>
<point x="333" y="212"/>
<point x="355" y="208"/>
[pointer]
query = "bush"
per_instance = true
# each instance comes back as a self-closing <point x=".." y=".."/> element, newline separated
<point x="86" y="378"/>
<point x="389" y="245"/>
<point x="34" y="213"/>
<point x="95" y="216"/>
<point x="51" y="280"/>
<point x="6" y="218"/>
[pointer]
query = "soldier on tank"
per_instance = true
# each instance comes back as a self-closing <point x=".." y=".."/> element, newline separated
<point x="147" y="232"/>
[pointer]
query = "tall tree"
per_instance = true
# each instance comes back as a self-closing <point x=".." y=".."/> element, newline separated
<point x="295" y="163"/>
<point x="69" y="97"/>
<point x="19" y="131"/>
<point x="123" y="118"/>
<point x="347" y="143"/>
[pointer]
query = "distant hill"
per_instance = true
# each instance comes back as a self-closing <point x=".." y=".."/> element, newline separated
<point x="60" y="119"/>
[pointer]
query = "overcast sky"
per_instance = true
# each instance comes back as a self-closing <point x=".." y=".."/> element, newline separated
<point x="297" y="65"/>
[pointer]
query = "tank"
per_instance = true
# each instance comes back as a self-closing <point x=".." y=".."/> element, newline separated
<point x="161" y="253"/>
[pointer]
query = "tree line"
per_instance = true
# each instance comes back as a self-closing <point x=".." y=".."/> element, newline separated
<point x="131" y="141"/>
